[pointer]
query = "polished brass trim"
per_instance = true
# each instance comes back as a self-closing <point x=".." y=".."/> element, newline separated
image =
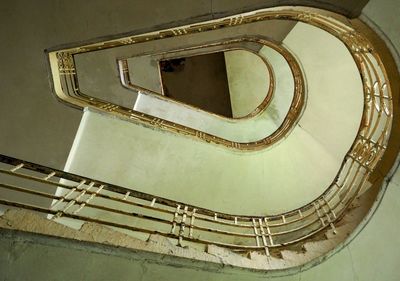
<point x="123" y="68"/>
<point x="367" y="161"/>
<point x="66" y="83"/>
<point x="66" y="87"/>
<point x="356" y="171"/>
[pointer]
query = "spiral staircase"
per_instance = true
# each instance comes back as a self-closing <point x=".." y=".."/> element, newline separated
<point x="166" y="190"/>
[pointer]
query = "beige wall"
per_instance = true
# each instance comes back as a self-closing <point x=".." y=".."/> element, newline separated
<point x="283" y="177"/>
<point x="373" y="255"/>
<point x="248" y="81"/>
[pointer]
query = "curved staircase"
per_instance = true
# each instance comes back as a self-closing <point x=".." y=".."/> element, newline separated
<point x="132" y="161"/>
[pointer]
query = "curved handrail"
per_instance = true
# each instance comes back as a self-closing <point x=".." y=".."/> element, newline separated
<point x="123" y="69"/>
<point x="259" y="128"/>
<point x="196" y="224"/>
<point x="67" y="88"/>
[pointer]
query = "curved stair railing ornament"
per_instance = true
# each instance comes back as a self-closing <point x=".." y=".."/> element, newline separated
<point x="259" y="114"/>
<point x="123" y="68"/>
<point x="253" y="127"/>
<point x="186" y="223"/>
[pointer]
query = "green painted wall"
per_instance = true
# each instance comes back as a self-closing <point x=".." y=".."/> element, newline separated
<point x="248" y="81"/>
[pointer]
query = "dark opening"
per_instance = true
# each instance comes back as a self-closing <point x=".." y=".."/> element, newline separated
<point x="200" y="81"/>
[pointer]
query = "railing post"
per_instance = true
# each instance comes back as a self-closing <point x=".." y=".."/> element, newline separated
<point x="318" y="214"/>
<point x="271" y="241"/>
<point x="174" y="221"/>
<point x="126" y="195"/>
<point x="49" y="176"/>
<point x="256" y="232"/>
<point x="89" y="199"/>
<point x="192" y="222"/>
<point x="17" y="167"/>
<point x="55" y="204"/>
<point x="300" y="214"/>
<point x="330" y="221"/>
<point x="182" y="226"/>
<point x="72" y="202"/>
<point x="260" y="223"/>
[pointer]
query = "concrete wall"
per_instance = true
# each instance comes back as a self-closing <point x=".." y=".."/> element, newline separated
<point x="248" y="80"/>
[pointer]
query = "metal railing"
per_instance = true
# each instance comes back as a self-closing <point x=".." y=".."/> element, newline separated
<point x="86" y="199"/>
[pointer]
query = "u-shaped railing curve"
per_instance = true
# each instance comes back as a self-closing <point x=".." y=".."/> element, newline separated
<point x="256" y="126"/>
<point x="185" y="222"/>
<point x="125" y="78"/>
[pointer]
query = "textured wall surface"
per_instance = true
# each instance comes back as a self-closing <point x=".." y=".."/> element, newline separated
<point x="33" y="124"/>
<point x="42" y="124"/>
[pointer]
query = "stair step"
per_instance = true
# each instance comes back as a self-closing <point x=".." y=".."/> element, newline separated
<point x="321" y="246"/>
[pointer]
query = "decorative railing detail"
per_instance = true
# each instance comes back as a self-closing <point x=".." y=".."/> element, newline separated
<point x="123" y="208"/>
<point x="123" y="68"/>
<point x="66" y="81"/>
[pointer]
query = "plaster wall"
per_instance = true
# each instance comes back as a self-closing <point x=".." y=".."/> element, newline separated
<point x="373" y="255"/>
<point x="265" y="182"/>
<point x="248" y="81"/>
<point x="34" y="125"/>
<point x="244" y="130"/>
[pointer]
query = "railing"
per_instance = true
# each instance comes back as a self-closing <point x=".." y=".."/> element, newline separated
<point x="67" y="88"/>
<point x="257" y="127"/>
<point x="226" y="45"/>
<point x="86" y="199"/>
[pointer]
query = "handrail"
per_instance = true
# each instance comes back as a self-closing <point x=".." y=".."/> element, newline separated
<point x="199" y="225"/>
<point x="207" y="123"/>
<point x="356" y="44"/>
<point x="67" y="88"/>
<point x="125" y="79"/>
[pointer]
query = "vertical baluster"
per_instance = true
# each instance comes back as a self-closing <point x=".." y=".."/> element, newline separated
<point x="283" y="219"/>
<point x="329" y="207"/>
<point x="327" y="213"/>
<point x="17" y="167"/>
<point x="72" y="202"/>
<point x="271" y="241"/>
<point x="49" y="176"/>
<point x="182" y="226"/>
<point x="318" y="214"/>
<point x="192" y="222"/>
<point x="260" y="224"/>
<point x="256" y="233"/>
<point x="174" y="221"/>
<point x="89" y="199"/>
<point x="153" y="202"/>
<point x="300" y="214"/>
<point x="126" y="195"/>
<point x="57" y="202"/>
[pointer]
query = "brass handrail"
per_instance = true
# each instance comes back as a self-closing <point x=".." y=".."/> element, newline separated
<point x="66" y="81"/>
<point x="124" y="74"/>
<point x="186" y="222"/>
